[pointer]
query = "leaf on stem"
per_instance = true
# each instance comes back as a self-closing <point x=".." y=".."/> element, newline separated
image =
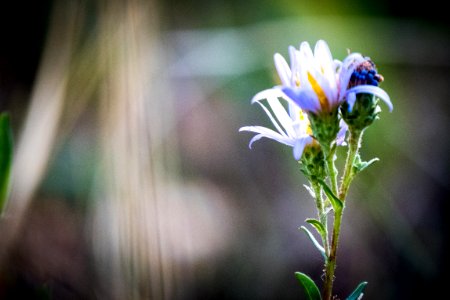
<point x="316" y="224"/>
<point x="359" y="165"/>
<point x="335" y="201"/>
<point x="358" y="293"/>
<point x="310" y="190"/>
<point x="314" y="241"/>
<point x="6" y="154"/>
<point x="311" y="289"/>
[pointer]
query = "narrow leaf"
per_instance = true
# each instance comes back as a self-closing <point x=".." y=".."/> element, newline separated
<point x="310" y="190"/>
<point x="319" y="226"/>
<point x="311" y="289"/>
<point x="358" y="292"/>
<point x="6" y="153"/>
<point x="335" y="201"/>
<point x="314" y="241"/>
<point x="364" y="164"/>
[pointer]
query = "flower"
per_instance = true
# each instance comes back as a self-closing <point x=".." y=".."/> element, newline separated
<point x="311" y="81"/>
<point x="358" y="75"/>
<point x="293" y="126"/>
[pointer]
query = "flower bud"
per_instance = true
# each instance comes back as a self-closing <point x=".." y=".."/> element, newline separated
<point x="361" y="109"/>
<point x="312" y="163"/>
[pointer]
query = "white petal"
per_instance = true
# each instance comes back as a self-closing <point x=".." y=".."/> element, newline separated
<point x="325" y="60"/>
<point x="293" y="57"/>
<point x="337" y="65"/>
<point x="348" y="66"/>
<point x="284" y="72"/>
<point x="322" y="52"/>
<point x="274" y="92"/>
<point x="267" y="133"/>
<point x="305" y="50"/>
<point x="371" y="89"/>
<point x="329" y="89"/>
<point x="352" y="58"/>
<point x="306" y="65"/>
<point x="274" y="121"/>
<point x="294" y="111"/>
<point x="281" y="115"/>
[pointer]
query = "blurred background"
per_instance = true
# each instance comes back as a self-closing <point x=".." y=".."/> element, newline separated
<point x="131" y="180"/>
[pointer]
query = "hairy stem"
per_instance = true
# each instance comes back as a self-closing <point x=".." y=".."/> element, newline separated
<point x="330" y="265"/>
<point x="353" y="147"/>
<point x="332" y="171"/>
<point x="321" y="214"/>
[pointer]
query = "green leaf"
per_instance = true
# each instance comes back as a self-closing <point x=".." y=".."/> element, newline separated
<point x="6" y="154"/>
<point x="335" y="201"/>
<point x="314" y="241"/>
<point x="358" y="292"/>
<point x="361" y="165"/>
<point x="319" y="226"/>
<point x="311" y="290"/>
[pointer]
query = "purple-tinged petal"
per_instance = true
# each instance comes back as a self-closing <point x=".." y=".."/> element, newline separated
<point x="294" y="110"/>
<point x="307" y="100"/>
<point x="340" y="139"/>
<point x="300" y="146"/>
<point x="351" y="99"/>
<point x="370" y="89"/>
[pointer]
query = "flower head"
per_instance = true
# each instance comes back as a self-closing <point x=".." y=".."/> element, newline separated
<point x="359" y="91"/>
<point x="311" y="80"/>
<point x="357" y="75"/>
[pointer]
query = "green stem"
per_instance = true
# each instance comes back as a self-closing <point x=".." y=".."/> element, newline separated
<point x="321" y="214"/>
<point x="332" y="171"/>
<point x="330" y="265"/>
<point x="353" y="147"/>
